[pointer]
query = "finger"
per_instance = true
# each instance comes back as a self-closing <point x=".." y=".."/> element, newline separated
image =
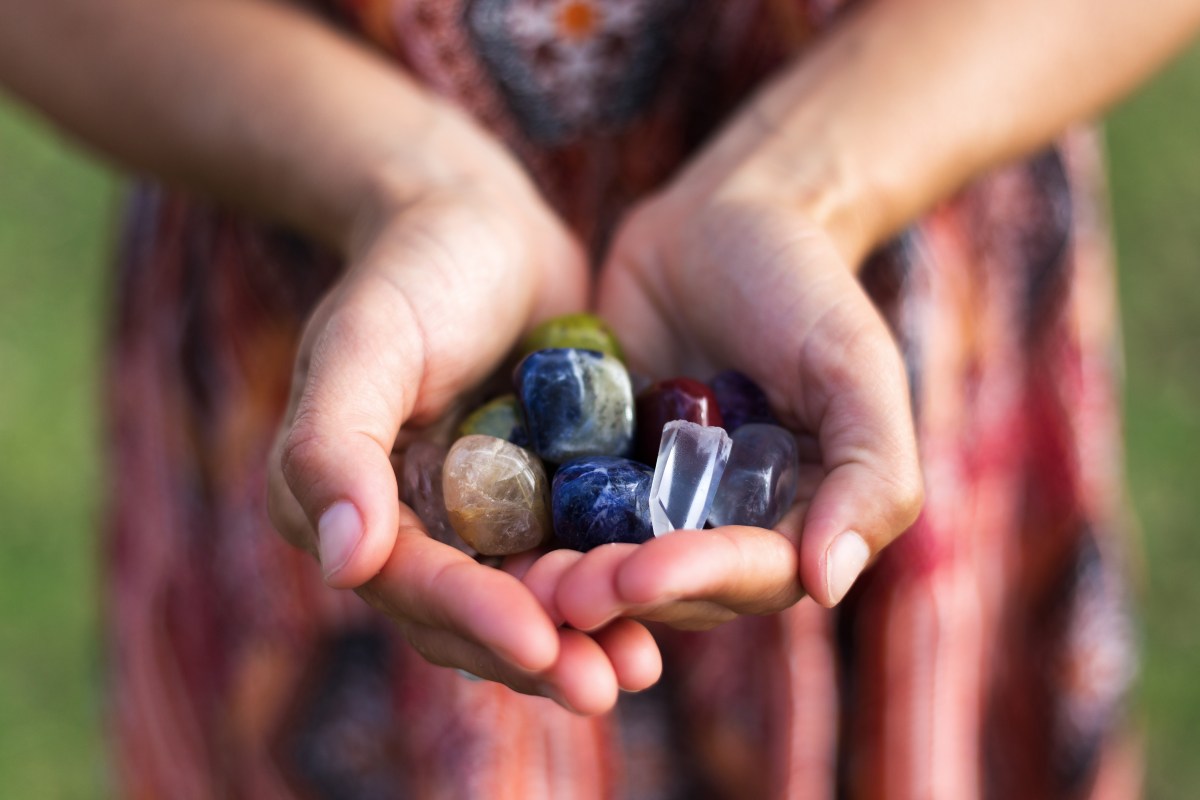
<point x="285" y="512"/>
<point x="586" y="594"/>
<point x="443" y="648"/>
<point x="582" y="680"/>
<point x="746" y="570"/>
<point x="518" y="565"/>
<point x="588" y="598"/>
<point x="684" y="615"/>
<point x="873" y="488"/>
<point x="360" y="381"/>
<point x="544" y="577"/>
<point x="435" y="585"/>
<point x="633" y="653"/>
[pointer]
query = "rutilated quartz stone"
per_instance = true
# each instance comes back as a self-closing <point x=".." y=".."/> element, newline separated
<point x="497" y="495"/>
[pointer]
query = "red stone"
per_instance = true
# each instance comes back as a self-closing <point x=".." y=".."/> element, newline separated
<point x="665" y="401"/>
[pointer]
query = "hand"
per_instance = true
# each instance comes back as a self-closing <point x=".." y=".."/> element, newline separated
<point x="718" y="273"/>
<point x="439" y="285"/>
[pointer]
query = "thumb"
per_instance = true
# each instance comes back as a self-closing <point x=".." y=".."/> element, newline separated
<point x="872" y="490"/>
<point x="359" y="377"/>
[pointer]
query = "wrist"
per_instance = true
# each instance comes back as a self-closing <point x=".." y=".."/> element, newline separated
<point x="798" y="152"/>
<point x="822" y="184"/>
<point x="448" y="156"/>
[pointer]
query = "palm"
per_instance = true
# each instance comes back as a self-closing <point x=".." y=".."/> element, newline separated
<point x="745" y="286"/>
<point x="426" y="311"/>
<point x="754" y="286"/>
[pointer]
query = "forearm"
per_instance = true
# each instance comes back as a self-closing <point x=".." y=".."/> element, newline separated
<point x="250" y="101"/>
<point x="906" y="101"/>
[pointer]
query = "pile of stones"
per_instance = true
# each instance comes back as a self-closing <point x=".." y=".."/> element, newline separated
<point x="573" y="458"/>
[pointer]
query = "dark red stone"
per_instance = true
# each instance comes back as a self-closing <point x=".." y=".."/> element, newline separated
<point x="666" y="401"/>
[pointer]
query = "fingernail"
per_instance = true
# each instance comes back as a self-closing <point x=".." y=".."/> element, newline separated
<point x="844" y="562"/>
<point x="338" y="534"/>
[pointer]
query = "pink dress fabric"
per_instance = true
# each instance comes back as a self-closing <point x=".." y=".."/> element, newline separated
<point x="987" y="654"/>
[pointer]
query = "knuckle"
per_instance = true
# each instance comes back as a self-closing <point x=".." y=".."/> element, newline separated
<point x="302" y="447"/>
<point x="295" y="459"/>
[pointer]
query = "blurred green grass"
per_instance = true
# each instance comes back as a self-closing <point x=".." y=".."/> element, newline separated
<point x="1154" y="153"/>
<point x="55" y="213"/>
<point x="56" y="219"/>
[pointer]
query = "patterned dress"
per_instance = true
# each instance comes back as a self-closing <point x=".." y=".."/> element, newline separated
<point x="988" y="654"/>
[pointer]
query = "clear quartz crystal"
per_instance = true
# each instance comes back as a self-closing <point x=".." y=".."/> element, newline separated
<point x="691" y="460"/>
<point x="759" y="485"/>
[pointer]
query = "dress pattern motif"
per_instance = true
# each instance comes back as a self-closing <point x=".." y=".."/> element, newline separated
<point x="987" y="654"/>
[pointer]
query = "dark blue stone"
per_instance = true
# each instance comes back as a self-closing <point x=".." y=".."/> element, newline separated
<point x="740" y="400"/>
<point x="575" y="403"/>
<point x="599" y="500"/>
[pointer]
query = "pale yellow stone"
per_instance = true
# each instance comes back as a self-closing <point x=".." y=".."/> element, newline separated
<point x="497" y="495"/>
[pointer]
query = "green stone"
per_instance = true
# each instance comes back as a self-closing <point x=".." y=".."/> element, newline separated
<point x="581" y="331"/>
<point x="500" y="417"/>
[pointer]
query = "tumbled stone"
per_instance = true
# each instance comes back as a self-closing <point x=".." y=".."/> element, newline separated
<point x="759" y="484"/>
<point x="500" y="417"/>
<point x="421" y="490"/>
<point x="690" y="462"/>
<point x="601" y="499"/>
<point x="497" y="495"/>
<point x="740" y="400"/>
<point x="665" y="401"/>
<point x="575" y="403"/>
<point x="581" y="331"/>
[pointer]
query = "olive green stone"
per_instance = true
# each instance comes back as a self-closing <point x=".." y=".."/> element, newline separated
<point x="500" y="417"/>
<point x="497" y="495"/>
<point x="582" y="331"/>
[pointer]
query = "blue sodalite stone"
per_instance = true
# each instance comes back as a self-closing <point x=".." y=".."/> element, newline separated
<point x="740" y="400"/>
<point x="575" y="403"/>
<point x="599" y="500"/>
<point x="759" y="483"/>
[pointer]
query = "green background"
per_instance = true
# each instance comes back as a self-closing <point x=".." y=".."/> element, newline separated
<point x="57" y="214"/>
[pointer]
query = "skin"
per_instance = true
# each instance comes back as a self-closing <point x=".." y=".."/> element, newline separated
<point x="747" y="257"/>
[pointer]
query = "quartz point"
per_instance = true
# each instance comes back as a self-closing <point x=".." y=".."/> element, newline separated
<point x="575" y="403"/>
<point x="662" y="402"/>
<point x="759" y="484"/>
<point x="740" y="400"/>
<point x="691" y="460"/>
<point x="601" y="499"/>
<point x="497" y="495"/>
